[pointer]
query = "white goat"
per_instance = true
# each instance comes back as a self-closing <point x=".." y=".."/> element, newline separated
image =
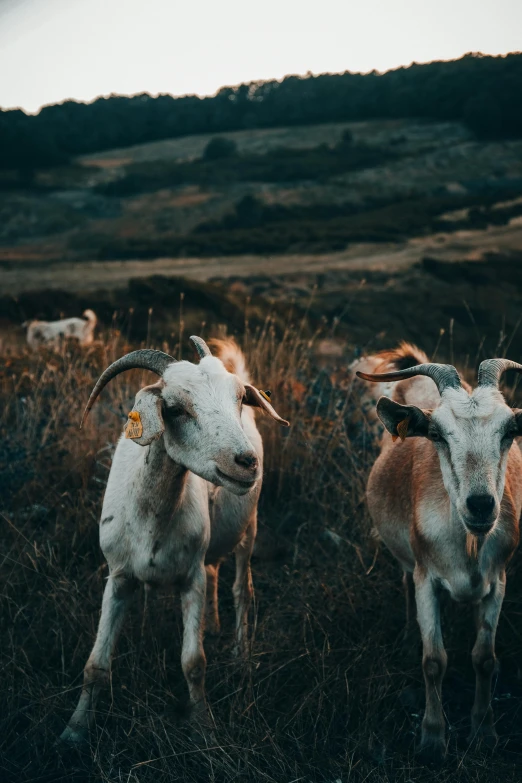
<point x="51" y="333"/>
<point x="196" y="482"/>
<point x="447" y="504"/>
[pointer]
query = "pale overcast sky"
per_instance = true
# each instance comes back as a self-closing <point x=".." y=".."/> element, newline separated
<point x="51" y="50"/>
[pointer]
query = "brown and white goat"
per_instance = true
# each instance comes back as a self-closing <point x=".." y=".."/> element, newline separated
<point x="446" y="501"/>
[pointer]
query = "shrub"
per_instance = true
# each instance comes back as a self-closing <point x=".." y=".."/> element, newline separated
<point x="219" y="147"/>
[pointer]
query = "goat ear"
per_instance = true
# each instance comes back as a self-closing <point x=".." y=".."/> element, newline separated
<point x="145" y="419"/>
<point x="403" y="421"/>
<point x="257" y="399"/>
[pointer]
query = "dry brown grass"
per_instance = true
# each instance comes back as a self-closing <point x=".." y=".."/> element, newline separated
<point x="327" y="695"/>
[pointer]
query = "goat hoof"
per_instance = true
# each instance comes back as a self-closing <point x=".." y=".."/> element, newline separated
<point x="73" y="738"/>
<point x="202" y="736"/>
<point x="485" y="736"/>
<point x="200" y="716"/>
<point x="432" y="751"/>
<point x="201" y="725"/>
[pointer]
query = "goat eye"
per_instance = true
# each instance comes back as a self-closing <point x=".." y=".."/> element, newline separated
<point x="176" y="412"/>
<point x="435" y="436"/>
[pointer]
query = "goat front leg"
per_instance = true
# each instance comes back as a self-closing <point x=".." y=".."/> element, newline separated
<point x="116" y="597"/>
<point x="485" y="662"/>
<point x="243" y="588"/>
<point x="193" y="659"/>
<point x="409" y="637"/>
<point x="212" y="624"/>
<point x="434" y="662"/>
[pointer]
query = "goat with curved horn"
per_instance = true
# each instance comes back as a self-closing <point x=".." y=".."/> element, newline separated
<point x="145" y="359"/>
<point x="160" y="522"/>
<point x="444" y="375"/>
<point x="200" y="346"/>
<point x="447" y="505"/>
<point x="491" y="371"/>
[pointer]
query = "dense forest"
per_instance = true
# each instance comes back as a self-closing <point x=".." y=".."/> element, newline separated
<point x="482" y="91"/>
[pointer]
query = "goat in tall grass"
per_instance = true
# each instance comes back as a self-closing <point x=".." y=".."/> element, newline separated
<point x="447" y="504"/>
<point x="194" y="487"/>
<point x="51" y="333"/>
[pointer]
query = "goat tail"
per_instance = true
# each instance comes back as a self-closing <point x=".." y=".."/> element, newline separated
<point x="90" y="315"/>
<point x="404" y="356"/>
<point x="231" y="355"/>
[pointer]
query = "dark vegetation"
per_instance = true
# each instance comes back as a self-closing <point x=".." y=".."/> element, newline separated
<point x="328" y="694"/>
<point x="395" y="221"/>
<point x="471" y="309"/>
<point x="481" y="91"/>
<point x="280" y="165"/>
<point x="254" y="227"/>
<point x="220" y="147"/>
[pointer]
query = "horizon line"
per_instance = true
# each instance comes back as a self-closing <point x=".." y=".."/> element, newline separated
<point x="308" y="74"/>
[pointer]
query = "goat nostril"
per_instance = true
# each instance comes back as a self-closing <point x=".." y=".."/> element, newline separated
<point x="247" y="460"/>
<point x="481" y="505"/>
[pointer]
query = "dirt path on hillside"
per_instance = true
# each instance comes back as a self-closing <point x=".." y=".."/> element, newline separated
<point x="91" y="275"/>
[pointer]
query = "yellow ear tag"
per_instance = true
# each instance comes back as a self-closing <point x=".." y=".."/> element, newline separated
<point x="134" y="428"/>
<point x="266" y="394"/>
<point x="402" y="429"/>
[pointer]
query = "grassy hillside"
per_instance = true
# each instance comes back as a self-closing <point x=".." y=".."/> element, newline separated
<point x="418" y="135"/>
<point x="314" y="189"/>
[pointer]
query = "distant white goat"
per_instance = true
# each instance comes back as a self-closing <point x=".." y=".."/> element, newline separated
<point x="447" y="504"/>
<point x="51" y="333"/>
<point x="193" y="487"/>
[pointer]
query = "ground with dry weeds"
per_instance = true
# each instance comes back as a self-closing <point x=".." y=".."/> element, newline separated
<point x="328" y="693"/>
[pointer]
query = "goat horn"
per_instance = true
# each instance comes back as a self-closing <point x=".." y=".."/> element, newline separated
<point x="145" y="359"/>
<point x="444" y="375"/>
<point x="201" y="346"/>
<point x="491" y="371"/>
